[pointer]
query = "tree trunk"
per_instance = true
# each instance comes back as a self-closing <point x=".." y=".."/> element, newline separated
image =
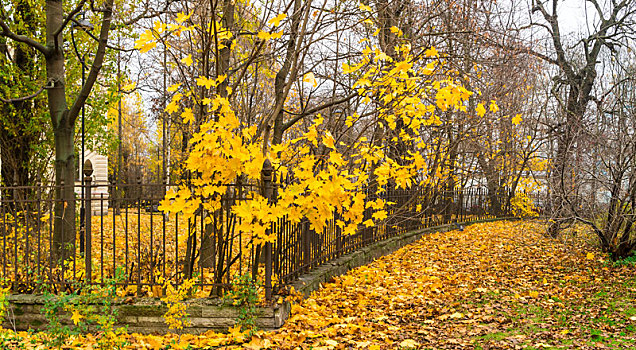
<point x="63" y="131"/>
<point x="64" y="230"/>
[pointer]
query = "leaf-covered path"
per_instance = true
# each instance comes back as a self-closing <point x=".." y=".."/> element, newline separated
<point x="492" y="286"/>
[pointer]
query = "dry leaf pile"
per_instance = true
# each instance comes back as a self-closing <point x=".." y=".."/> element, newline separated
<point x="492" y="286"/>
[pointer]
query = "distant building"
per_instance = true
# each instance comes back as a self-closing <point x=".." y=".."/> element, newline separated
<point x="99" y="190"/>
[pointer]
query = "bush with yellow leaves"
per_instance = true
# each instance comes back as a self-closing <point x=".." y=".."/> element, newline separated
<point x="523" y="206"/>
<point x="176" y="317"/>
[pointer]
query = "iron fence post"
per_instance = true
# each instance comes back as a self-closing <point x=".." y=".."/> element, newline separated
<point x="268" y="191"/>
<point x="88" y="210"/>
<point x="139" y="194"/>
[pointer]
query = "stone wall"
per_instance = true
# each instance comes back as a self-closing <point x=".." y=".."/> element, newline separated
<point x="145" y="315"/>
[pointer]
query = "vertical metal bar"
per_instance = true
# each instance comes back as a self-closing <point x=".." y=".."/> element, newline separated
<point x="152" y="241"/>
<point x="5" y="253"/>
<point x="139" y="236"/>
<point x="115" y="211"/>
<point x="39" y="226"/>
<point x="15" y="236"/>
<point x="306" y="245"/>
<point x="164" y="256"/>
<point x="176" y="246"/>
<point x="51" y="214"/>
<point x="202" y="228"/>
<point x="128" y="273"/>
<point x="27" y="249"/>
<point x="268" y="271"/>
<point x="101" y="237"/>
<point x="88" y="210"/>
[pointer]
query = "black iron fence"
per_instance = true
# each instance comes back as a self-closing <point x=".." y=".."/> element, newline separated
<point x="119" y="231"/>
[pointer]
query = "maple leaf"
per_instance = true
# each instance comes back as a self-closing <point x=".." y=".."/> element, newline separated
<point x="205" y="81"/>
<point x="432" y="52"/>
<point x="76" y="317"/>
<point x="364" y="7"/>
<point x="409" y="343"/>
<point x="493" y="107"/>
<point x="481" y="110"/>
<point x="516" y="119"/>
<point x="173" y="88"/>
<point x="146" y="42"/>
<point x="310" y="78"/>
<point x="276" y="20"/>
<point x="188" y="116"/>
<point x="182" y="17"/>
<point x="187" y="60"/>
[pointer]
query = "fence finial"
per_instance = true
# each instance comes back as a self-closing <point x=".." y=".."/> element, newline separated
<point x="266" y="179"/>
<point x="88" y="168"/>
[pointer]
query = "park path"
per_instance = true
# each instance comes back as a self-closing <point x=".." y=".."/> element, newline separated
<point x="499" y="285"/>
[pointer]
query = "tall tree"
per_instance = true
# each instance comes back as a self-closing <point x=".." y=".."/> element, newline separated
<point x="577" y="78"/>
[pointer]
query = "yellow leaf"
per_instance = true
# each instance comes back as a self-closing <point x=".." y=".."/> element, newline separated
<point x="432" y="52"/>
<point x="174" y="87"/>
<point x="516" y="119"/>
<point x="146" y="42"/>
<point x="76" y="317"/>
<point x="328" y="140"/>
<point x="590" y="256"/>
<point x="129" y="87"/>
<point x="364" y="7"/>
<point x="456" y="315"/>
<point x="396" y="30"/>
<point x="172" y="107"/>
<point x="534" y="294"/>
<point x="310" y="78"/>
<point x="493" y="106"/>
<point x="331" y="342"/>
<point x="188" y="116"/>
<point x="276" y="20"/>
<point x="182" y="17"/>
<point x="187" y="60"/>
<point x="264" y="35"/>
<point x="205" y="81"/>
<point x="409" y="343"/>
<point x="481" y="110"/>
<point x="403" y="66"/>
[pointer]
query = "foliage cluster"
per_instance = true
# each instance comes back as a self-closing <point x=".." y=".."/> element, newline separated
<point x="177" y="316"/>
<point x="244" y="295"/>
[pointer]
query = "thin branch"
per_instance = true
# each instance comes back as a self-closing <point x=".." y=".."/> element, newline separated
<point x="20" y="99"/>
<point x="6" y="31"/>
<point x="298" y="117"/>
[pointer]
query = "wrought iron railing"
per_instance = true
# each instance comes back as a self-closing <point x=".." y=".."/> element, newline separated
<point x="121" y="229"/>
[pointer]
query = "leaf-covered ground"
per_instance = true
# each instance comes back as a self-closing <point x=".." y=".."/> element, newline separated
<point x="492" y="286"/>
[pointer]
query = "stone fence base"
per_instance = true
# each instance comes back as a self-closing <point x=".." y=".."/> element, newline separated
<point x="145" y="315"/>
